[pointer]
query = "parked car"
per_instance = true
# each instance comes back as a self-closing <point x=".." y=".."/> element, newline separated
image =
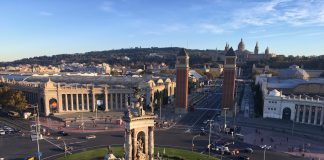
<point x="248" y="150"/>
<point x="91" y="137"/>
<point x="62" y="133"/>
<point x="243" y="158"/>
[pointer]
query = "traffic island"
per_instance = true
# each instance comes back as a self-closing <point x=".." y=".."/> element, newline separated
<point x="169" y="153"/>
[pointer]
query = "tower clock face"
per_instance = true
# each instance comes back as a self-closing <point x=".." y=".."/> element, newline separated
<point x="230" y="61"/>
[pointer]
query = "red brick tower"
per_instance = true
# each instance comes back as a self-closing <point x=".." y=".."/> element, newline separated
<point x="181" y="96"/>
<point x="228" y="100"/>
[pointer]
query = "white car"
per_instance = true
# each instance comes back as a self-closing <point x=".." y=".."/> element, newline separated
<point x="91" y="137"/>
<point x="2" y="132"/>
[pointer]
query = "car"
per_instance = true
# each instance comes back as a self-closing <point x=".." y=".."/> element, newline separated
<point x="2" y="132"/>
<point x="243" y="158"/>
<point x="62" y="133"/>
<point x="248" y="150"/>
<point x="90" y="137"/>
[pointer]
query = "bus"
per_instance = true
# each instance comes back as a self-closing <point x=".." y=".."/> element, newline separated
<point x="13" y="114"/>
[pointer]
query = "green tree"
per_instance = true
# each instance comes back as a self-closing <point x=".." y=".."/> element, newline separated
<point x="258" y="100"/>
<point x="17" y="100"/>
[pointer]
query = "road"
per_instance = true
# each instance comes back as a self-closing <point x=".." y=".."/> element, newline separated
<point x="17" y="146"/>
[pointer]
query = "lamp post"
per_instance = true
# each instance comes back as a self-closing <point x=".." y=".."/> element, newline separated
<point x="265" y="147"/>
<point x="38" y="154"/>
<point x="225" y="109"/>
<point x="209" y="121"/>
<point x="192" y="142"/>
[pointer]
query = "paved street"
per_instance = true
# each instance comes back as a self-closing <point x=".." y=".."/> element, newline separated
<point x="179" y="136"/>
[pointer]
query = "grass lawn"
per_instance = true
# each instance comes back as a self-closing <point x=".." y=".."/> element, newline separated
<point x="171" y="153"/>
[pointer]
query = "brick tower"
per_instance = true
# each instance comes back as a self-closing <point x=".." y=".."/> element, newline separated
<point x="228" y="99"/>
<point x="182" y="67"/>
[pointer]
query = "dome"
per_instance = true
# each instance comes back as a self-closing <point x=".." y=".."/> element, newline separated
<point x="241" y="46"/>
<point x="274" y="93"/>
<point x="294" y="72"/>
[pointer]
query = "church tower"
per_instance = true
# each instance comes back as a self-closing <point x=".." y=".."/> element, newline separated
<point x="241" y="46"/>
<point x="228" y="99"/>
<point x="226" y="47"/>
<point x="266" y="52"/>
<point x="182" y="71"/>
<point x="256" y="48"/>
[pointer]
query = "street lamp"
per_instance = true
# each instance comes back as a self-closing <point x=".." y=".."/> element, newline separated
<point x="192" y="141"/>
<point x="210" y="122"/>
<point x="265" y="147"/>
<point x="38" y="154"/>
<point x="225" y="109"/>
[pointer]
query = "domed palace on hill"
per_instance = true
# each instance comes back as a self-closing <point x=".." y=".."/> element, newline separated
<point x="243" y="55"/>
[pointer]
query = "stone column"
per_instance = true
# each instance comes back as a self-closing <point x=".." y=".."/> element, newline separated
<point x="94" y="102"/>
<point x="322" y="116"/>
<point x="46" y="106"/>
<point x="121" y="101"/>
<point x="106" y="101"/>
<point x="59" y="99"/>
<point x="82" y="102"/>
<point x="88" y="102"/>
<point x="304" y="113"/>
<point x="298" y="113"/>
<point x="77" y="102"/>
<point x="66" y="102"/>
<point x="72" y="105"/>
<point x="126" y="102"/>
<point x="128" y="144"/>
<point x="111" y="101"/>
<point x="315" y="118"/>
<point x="116" y="101"/>
<point x="310" y="114"/>
<point x="151" y="143"/>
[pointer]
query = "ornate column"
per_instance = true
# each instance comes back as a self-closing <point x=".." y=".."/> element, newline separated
<point x="315" y="118"/>
<point x="128" y="145"/>
<point x="94" y="102"/>
<point x="66" y="102"/>
<point x="304" y="113"/>
<point x="72" y="105"/>
<point x="111" y="101"/>
<point x="82" y="103"/>
<point x="126" y="100"/>
<point x="310" y="110"/>
<point x="151" y="143"/>
<point x="88" y="102"/>
<point x="77" y="102"/>
<point x="298" y="113"/>
<point x="60" y="105"/>
<point x="121" y="101"/>
<point x="116" y="101"/>
<point x="322" y="116"/>
<point x="106" y="101"/>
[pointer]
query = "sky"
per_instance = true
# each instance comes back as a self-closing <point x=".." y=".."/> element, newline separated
<point x="31" y="28"/>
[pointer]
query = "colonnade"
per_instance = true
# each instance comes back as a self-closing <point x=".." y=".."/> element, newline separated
<point x="88" y="101"/>
<point x="310" y="114"/>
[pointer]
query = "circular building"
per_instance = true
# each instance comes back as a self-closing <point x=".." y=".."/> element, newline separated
<point x="294" y="72"/>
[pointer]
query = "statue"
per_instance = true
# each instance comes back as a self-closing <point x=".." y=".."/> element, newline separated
<point x="140" y="149"/>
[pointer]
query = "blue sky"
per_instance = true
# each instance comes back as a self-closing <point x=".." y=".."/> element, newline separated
<point x="45" y="27"/>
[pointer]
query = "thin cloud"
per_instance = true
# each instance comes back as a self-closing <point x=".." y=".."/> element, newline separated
<point x="44" y="13"/>
<point x="294" y="13"/>
<point x="107" y="6"/>
<point x="210" y="28"/>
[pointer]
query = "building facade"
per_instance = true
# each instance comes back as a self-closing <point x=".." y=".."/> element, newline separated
<point x="301" y="108"/>
<point x="229" y="82"/>
<point x="182" y="69"/>
<point x="66" y="96"/>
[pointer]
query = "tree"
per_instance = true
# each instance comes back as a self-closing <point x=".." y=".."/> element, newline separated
<point x="14" y="99"/>
<point x="258" y="100"/>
